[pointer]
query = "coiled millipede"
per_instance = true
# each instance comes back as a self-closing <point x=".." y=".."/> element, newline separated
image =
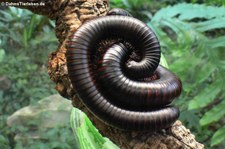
<point x="113" y="64"/>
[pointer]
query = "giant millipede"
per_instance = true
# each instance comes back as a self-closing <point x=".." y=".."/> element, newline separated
<point x="113" y="64"/>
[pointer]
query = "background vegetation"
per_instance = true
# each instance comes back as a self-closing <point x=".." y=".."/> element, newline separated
<point x="193" y="42"/>
<point x="192" y="36"/>
<point x="26" y="39"/>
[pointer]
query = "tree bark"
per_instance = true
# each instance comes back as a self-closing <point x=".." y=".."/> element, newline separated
<point x="69" y="15"/>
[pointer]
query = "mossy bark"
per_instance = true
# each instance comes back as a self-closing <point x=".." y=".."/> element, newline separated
<point x="69" y="15"/>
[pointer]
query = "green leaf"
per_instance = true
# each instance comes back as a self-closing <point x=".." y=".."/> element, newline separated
<point x="116" y="4"/>
<point x="52" y="23"/>
<point x="210" y="24"/>
<point x="25" y="37"/>
<point x="127" y="3"/>
<point x="205" y="97"/>
<point x="15" y="36"/>
<point x="31" y="26"/>
<point x="186" y="11"/>
<point x="216" y="42"/>
<point x="163" y="61"/>
<point x="190" y="117"/>
<point x="133" y="4"/>
<point x="16" y="12"/>
<point x="213" y="115"/>
<point x="222" y="64"/>
<point x="204" y="72"/>
<point x="6" y="15"/>
<point x="76" y="119"/>
<point x="183" y="30"/>
<point x="218" y="137"/>
<point x="2" y="55"/>
<point x="165" y="40"/>
<point x="87" y="134"/>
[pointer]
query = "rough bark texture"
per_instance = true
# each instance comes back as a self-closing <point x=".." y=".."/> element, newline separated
<point x="69" y="15"/>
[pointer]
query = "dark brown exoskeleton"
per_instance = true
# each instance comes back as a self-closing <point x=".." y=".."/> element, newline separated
<point x="113" y="63"/>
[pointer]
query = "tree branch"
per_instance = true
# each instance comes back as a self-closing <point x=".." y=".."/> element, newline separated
<point x="69" y="15"/>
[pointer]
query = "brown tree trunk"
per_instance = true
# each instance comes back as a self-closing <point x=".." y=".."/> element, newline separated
<point x="69" y="15"/>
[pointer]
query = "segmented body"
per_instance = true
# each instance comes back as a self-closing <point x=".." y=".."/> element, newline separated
<point x="113" y="63"/>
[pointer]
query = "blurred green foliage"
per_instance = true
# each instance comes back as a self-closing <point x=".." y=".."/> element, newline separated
<point x="26" y="39"/>
<point x="25" y="65"/>
<point x="192" y="37"/>
<point x="145" y="9"/>
<point x="54" y="138"/>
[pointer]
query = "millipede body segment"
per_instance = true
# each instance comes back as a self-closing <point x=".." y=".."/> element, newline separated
<point x="113" y="64"/>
